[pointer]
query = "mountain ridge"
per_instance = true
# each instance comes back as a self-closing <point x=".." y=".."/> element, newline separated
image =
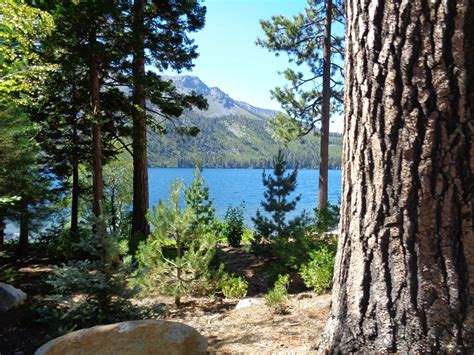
<point x="233" y="134"/>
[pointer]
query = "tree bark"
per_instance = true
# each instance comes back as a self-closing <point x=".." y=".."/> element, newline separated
<point x="325" y="114"/>
<point x="75" y="194"/>
<point x="22" y="248"/>
<point x="140" y="227"/>
<point x="97" y="178"/>
<point x="404" y="274"/>
<point x="2" y="228"/>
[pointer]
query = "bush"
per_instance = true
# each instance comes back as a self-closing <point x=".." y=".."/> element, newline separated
<point x="93" y="291"/>
<point x="318" y="273"/>
<point x="234" y="225"/>
<point x="234" y="286"/>
<point x="278" y="296"/>
<point x="327" y="219"/>
<point x="175" y="259"/>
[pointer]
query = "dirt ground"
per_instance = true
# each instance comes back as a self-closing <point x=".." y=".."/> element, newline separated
<point x="254" y="329"/>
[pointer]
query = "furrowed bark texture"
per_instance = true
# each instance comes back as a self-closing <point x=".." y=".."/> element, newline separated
<point x="404" y="276"/>
<point x="140" y="164"/>
<point x="324" y="151"/>
<point x="97" y="177"/>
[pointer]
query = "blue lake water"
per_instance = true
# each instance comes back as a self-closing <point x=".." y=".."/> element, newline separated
<point x="229" y="187"/>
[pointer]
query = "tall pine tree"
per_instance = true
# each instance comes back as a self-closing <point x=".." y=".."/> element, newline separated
<point x="309" y="41"/>
<point x="158" y="37"/>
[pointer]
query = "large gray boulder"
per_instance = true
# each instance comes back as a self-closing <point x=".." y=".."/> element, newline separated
<point x="10" y="297"/>
<point x="134" y="337"/>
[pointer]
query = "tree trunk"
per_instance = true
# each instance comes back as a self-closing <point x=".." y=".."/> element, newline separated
<point x="326" y="107"/>
<point x="140" y="227"/>
<point x="97" y="179"/>
<point x="404" y="275"/>
<point x="22" y="248"/>
<point x="2" y="228"/>
<point x="75" y="198"/>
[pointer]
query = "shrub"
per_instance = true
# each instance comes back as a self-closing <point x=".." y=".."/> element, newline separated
<point x="327" y="219"/>
<point x="234" y="286"/>
<point x="278" y="203"/>
<point x="318" y="273"/>
<point x="278" y="296"/>
<point x="93" y="291"/>
<point x="234" y="225"/>
<point x="175" y="259"/>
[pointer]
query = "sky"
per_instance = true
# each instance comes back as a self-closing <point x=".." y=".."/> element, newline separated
<point x="228" y="57"/>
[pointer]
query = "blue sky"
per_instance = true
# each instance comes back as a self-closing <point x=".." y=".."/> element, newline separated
<point x="229" y="58"/>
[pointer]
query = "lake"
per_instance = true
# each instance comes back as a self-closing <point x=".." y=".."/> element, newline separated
<point x="229" y="187"/>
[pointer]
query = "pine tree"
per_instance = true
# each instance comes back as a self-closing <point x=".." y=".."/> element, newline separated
<point x="159" y="36"/>
<point x="175" y="258"/>
<point x="307" y="100"/>
<point x="279" y="187"/>
<point x="198" y="201"/>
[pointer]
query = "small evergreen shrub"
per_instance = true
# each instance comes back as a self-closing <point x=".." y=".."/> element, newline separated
<point x="278" y="296"/>
<point x="318" y="273"/>
<point x="278" y="203"/>
<point x="234" y="286"/>
<point x="176" y="258"/>
<point x="326" y="219"/>
<point x="234" y="225"/>
<point x="93" y="291"/>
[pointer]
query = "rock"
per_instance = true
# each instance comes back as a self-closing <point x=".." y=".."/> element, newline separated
<point x="134" y="337"/>
<point x="248" y="302"/>
<point x="10" y="297"/>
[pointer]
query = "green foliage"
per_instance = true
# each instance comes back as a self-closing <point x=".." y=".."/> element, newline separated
<point x="277" y="203"/>
<point x="22" y="69"/>
<point x="10" y="275"/>
<point x="196" y="197"/>
<point x="234" y="286"/>
<point x="327" y="219"/>
<point x="234" y="225"/>
<point x="175" y="259"/>
<point x="92" y="291"/>
<point x="318" y="273"/>
<point x="301" y="38"/>
<point x="118" y="181"/>
<point x="278" y="296"/>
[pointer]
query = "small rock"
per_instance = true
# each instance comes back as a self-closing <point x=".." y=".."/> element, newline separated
<point x="248" y="302"/>
<point x="10" y="297"/>
<point x="134" y="337"/>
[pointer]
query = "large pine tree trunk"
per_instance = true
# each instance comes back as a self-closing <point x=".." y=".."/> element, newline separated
<point x="326" y="107"/>
<point x="404" y="277"/>
<point x="140" y="164"/>
<point x="97" y="178"/>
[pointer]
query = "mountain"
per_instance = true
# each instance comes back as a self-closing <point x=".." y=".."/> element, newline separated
<point x="232" y="134"/>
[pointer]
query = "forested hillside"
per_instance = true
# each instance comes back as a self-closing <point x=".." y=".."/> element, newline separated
<point x="232" y="134"/>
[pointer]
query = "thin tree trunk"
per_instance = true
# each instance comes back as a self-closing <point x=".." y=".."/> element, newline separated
<point x="404" y="275"/>
<point x="2" y="228"/>
<point x="75" y="197"/>
<point x="326" y="107"/>
<point x="97" y="179"/>
<point x="22" y="248"/>
<point x="140" y="227"/>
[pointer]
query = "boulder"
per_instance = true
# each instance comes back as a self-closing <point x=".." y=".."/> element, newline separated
<point x="134" y="337"/>
<point x="10" y="297"/>
<point x="248" y="302"/>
